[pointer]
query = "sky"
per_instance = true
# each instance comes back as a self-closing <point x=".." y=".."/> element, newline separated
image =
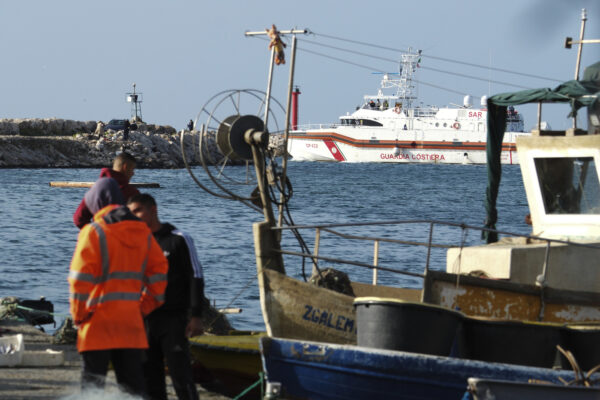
<point x="77" y="59"/>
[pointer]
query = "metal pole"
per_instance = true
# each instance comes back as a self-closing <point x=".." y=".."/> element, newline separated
<point x="259" y="164"/>
<point x="288" y="32"/>
<point x="268" y="95"/>
<point x="287" y="132"/>
<point x="316" y="250"/>
<point x="375" y="261"/>
<point x="270" y="79"/>
<point x="429" y="248"/>
<point x="579" y="50"/>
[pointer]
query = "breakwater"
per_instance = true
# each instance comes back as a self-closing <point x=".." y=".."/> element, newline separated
<point x="59" y="143"/>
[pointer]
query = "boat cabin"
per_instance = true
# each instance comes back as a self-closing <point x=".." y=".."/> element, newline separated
<point x="560" y="171"/>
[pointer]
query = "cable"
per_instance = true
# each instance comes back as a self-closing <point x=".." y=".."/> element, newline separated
<point x="287" y="217"/>
<point x="370" y="68"/>
<point x="421" y="66"/>
<point x="440" y="58"/>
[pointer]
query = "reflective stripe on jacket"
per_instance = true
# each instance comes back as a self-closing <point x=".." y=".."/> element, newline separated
<point x="118" y="274"/>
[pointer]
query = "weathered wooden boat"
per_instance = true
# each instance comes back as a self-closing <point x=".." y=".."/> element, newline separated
<point x="533" y="278"/>
<point x="302" y="369"/>
<point x="227" y="364"/>
<point x="550" y="276"/>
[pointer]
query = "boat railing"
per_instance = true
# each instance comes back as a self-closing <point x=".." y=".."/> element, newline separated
<point x="306" y="127"/>
<point x="427" y="241"/>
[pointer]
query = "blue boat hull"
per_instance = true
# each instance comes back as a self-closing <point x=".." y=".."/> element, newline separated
<point x="312" y="370"/>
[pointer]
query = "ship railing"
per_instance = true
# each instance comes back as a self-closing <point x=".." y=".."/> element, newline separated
<point x="331" y="235"/>
<point x="316" y="126"/>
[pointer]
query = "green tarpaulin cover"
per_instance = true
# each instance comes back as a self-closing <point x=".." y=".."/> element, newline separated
<point x="585" y="92"/>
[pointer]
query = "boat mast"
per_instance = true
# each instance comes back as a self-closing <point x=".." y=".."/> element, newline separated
<point x="569" y="42"/>
<point x="267" y="207"/>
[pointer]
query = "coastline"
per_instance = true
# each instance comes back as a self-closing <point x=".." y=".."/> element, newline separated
<point x="57" y="143"/>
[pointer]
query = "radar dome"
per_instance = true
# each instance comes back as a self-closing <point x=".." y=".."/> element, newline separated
<point x="484" y="101"/>
<point x="468" y="101"/>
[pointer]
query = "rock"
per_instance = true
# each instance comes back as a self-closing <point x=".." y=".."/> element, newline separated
<point x="50" y="143"/>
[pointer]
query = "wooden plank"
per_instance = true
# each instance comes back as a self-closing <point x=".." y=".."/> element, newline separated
<point x="89" y="184"/>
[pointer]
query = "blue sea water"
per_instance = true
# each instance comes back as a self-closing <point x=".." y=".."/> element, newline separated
<point x="37" y="237"/>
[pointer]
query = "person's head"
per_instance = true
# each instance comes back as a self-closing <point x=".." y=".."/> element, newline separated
<point x="144" y="207"/>
<point x="104" y="192"/>
<point x="125" y="163"/>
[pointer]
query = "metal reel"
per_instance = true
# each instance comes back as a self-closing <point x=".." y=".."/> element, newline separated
<point x="222" y="122"/>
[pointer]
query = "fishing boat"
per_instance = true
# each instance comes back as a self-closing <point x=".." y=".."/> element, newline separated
<point x="227" y="364"/>
<point x="548" y="277"/>
<point x="389" y="127"/>
<point x="314" y="370"/>
<point x="439" y="348"/>
<point x="534" y="277"/>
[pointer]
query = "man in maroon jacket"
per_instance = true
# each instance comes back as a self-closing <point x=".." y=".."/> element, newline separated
<point x="122" y="171"/>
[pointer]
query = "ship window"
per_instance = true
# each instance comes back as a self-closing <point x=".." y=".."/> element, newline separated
<point x="437" y="124"/>
<point x="445" y="124"/>
<point x="369" y="122"/>
<point x="569" y="185"/>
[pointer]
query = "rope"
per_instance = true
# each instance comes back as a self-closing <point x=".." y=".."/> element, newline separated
<point x="246" y="286"/>
<point x="42" y="311"/>
<point x="581" y="378"/>
<point x="249" y="388"/>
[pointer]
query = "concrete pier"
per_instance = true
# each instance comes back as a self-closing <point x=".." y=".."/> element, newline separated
<point x="62" y="382"/>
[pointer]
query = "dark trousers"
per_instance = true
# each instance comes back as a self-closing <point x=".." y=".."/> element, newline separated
<point x="126" y="362"/>
<point x="167" y="341"/>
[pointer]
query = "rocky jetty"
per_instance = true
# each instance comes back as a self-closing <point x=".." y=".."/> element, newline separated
<point x="59" y="143"/>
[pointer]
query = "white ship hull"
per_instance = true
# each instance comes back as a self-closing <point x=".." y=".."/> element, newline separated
<point x="360" y="144"/>
<point x="388" y="128"/>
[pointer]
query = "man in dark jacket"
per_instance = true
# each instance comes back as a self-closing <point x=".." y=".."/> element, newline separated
<point x="122" y="171"/>
<point x="178" y="318"/>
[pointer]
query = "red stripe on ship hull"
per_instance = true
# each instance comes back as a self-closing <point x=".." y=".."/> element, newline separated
<point x="425" y="145"/>
<point x="334" y="150"/>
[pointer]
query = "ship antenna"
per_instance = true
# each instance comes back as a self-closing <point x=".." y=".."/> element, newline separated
<point x="408" y="65"/>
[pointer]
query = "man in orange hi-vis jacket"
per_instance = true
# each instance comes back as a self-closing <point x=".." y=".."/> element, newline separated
<point x="118" y="275"/>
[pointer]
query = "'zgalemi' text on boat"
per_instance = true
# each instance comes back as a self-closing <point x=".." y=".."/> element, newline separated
<point x="389" y="128"/>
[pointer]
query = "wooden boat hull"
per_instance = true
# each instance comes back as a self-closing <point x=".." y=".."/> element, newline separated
<point x="510" y="301"/>
<point x="298" y="310"/>
<point x="313" y="370"/>
<point x="227" y="364"/>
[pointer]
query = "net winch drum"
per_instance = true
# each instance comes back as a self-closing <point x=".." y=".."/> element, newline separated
<point x="230" y="135"/>
<point x="405" y="326"/>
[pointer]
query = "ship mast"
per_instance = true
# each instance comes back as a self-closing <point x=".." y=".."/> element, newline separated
<point x="404" y="84"/>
